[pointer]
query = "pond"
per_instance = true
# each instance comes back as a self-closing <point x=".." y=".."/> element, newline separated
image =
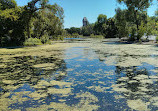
<point x="79" y="76"/>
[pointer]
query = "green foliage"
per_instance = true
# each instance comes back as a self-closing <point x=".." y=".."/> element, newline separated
<point x="136" y="4"/>
<point x="105" y="27"/>
<point x="153" y="25"/>
<point x="19" y="23"/>
<point x="141" y="31"/>
<point x="51" y="15"/>
<point x="121" y="23"/>
<point x="100" y="25"/>
<point x="111" y="31"/>
<point x="86" y="30"/>
<point x="7" y="4"/>
<point x="43" y="3"/>
<point x="73" y="30"/>
<point x="60" y="37"/>
<point x="47" y="22"/>
<point x="45" y="39"/>
<point x="4" y="41"/>
<point x="150" y="26"/>
<point x="133" y="34"/>
<point x="11" y="14"/>
<point x="32" y="42"/>
<point x="96" y="36"/>
<point x="157" y="38"/>
<point x="102" y="19"/>
<point x="11" y="26"/>
<point x="75" y="35"/>
<point x="136" y="10"/>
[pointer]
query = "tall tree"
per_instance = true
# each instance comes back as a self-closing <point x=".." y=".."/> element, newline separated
<point x="135" y="7"/>
<point x="111" y="31"/>
<point x="100" y="25"/>
<point x="18" y="23"/>
<point x="87" y="30"/>
<point x="121" y="22"/>
<point x="48" y="21"/>
<point x="9" y="15"/>
<point x="30" y="10"/>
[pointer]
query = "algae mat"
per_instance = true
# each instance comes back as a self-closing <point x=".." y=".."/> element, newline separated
<point x="79" y="76"/>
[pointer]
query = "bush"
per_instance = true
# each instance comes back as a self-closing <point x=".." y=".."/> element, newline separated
<point x="60" y="37"/>
<point x="92" y="35"/>
<point x="32" y="42"/>
<point x="69" y="36"/>
<point x="75" y="35"/>
<point x="45" y="39"/>
<point x="96" y="36"/>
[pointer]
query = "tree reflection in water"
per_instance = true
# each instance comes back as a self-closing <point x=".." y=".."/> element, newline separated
<point x="26" y="77"/>
<point x="136" y="84"/>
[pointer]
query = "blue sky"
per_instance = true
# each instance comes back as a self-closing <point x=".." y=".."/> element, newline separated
<point x="75" y="10"/>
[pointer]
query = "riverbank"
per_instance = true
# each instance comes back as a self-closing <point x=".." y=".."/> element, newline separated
<point x="87" y="39"/>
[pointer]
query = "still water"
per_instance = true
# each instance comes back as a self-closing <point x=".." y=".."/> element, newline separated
<point x="83" y="75"/>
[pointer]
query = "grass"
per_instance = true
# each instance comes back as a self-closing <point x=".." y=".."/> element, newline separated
<point x="32" y="42"/>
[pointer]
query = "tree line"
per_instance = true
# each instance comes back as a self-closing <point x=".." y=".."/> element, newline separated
<point x="38" y="22"/>
<point x="132" y="22"/>
<point x="33" y="24"/>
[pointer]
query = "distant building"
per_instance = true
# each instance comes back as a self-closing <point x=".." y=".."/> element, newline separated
<point x="85" y="21"/>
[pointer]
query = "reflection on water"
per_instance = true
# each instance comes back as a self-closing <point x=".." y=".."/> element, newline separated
<point x="87" y="78"/>
<point x="138" y="86"/>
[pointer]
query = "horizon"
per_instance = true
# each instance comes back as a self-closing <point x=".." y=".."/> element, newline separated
<point x="75" y="11"/>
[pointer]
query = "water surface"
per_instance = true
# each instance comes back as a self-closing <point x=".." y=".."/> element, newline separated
<point x="83" y="76"/>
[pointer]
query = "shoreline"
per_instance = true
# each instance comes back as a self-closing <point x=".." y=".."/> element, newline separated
<point x="105" y="40"/>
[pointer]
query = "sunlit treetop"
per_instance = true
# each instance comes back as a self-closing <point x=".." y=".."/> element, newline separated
<point x="102" y="18"/>
<point x="32" y="4"/>
<point x="7" y="4"/>
<point x="137" y="4"/>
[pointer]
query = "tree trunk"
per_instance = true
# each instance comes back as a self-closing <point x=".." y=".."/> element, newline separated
<point x="28" y="26"/>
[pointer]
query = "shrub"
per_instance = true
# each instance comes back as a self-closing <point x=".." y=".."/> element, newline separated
<point x="45" y="39"/>
<point x="96" y="36"/>
<point x="60" y="37"/>
<point x="92" y="35"/>
<point x="32" y="42"/>
<point x="75" y="35"/>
